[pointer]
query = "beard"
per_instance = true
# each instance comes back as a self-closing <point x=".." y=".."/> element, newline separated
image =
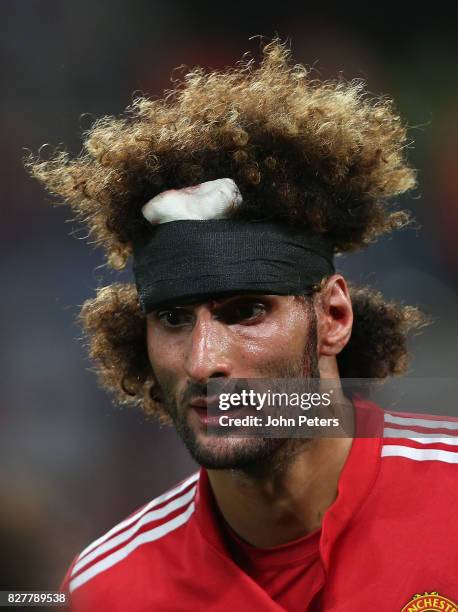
<point x="253" y="455"/>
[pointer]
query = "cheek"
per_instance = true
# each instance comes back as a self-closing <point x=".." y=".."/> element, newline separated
<point x="277" y="341"/>
<point x="164" y="356"/>
<point x="164" y="363"/>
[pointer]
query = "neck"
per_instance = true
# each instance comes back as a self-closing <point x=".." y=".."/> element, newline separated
<point x="269" y="507"/>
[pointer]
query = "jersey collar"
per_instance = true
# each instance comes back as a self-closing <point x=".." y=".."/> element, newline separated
<point x="355" y="483"/>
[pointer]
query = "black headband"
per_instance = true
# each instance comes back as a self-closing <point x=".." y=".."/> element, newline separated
<point x="198" y="259"/>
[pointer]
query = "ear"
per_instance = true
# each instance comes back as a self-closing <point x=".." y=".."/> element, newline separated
<point x="335" y="316"/>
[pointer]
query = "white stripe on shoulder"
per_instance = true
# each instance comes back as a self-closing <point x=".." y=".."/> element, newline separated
<point x="420" y="437"/>
<point x="430" y="423"/>
<point x="122" y="553"/>
<point x="131" y="519"/>
<point x="419" y="454"/>
<point x="149" y="517"/>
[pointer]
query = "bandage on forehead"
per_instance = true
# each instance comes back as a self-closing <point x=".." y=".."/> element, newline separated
<point x="197" y="259"/>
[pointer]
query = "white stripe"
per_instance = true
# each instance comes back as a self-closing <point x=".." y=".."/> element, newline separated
<point x="152" y="504"/>
<point x="122" y="553"/>
<point x="126" y="535"/>
<point x="422" y="438"/>
<point x="419" y="454"/>
<point x="397" y="420"/>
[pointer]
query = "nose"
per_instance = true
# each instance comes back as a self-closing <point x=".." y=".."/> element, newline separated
<point x="208" y="350"/>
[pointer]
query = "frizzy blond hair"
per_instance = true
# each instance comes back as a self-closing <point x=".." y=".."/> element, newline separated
<point x="323" y="155"/>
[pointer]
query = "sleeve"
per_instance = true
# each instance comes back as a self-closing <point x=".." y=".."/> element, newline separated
<point x="65" y="584"/>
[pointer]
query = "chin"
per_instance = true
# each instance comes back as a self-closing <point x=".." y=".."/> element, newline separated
<point x="228" y="453"/>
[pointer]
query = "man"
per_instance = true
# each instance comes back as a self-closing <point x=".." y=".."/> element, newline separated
<point x="232" y="194"/>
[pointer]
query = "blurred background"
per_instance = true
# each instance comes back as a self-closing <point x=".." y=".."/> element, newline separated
<point x="71" y="464"/>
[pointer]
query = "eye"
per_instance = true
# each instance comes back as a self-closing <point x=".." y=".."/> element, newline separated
<point x="175" y="317"/>
<point x="246" y="311"/>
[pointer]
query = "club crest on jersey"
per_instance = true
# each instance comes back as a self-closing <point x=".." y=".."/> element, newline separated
<point x="428" y="602"/>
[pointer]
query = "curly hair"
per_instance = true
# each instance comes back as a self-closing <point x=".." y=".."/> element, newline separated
<point x="323" y="155"/>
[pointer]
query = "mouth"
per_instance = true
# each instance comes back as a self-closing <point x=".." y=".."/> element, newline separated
<point x="209" y="412"/>
<point x="205" y="402"/>
<point x="207" y="409"/>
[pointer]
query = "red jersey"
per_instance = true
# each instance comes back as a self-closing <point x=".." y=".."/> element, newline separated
<point x="390" y="535"/>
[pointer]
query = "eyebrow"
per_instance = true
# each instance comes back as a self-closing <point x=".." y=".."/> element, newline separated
<point x="217" y="300"/>
<point x="240" y="296"/>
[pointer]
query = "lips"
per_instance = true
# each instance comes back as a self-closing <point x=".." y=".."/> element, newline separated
<point x="205" y="402"/>
<point x="206" y="409"/>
